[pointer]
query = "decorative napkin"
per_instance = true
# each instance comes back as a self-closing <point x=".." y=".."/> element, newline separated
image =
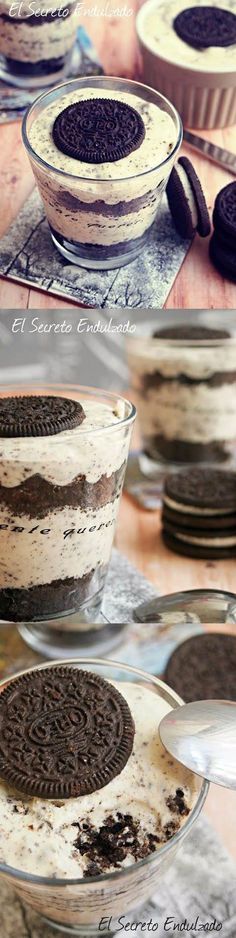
<point x="146" y="646"/>
<point x="200" y="888"/>
<point x="28" y="255"/>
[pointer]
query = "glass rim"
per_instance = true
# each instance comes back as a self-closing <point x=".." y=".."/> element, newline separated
<point x="93" y="81"/>
<point x="170" y="696"/>
<point x="149" y="6"/>
<point x="18" y="390"/>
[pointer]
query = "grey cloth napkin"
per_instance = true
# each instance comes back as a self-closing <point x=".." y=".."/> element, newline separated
<point x="200" y="884"/>
<point x="28" y="255"/>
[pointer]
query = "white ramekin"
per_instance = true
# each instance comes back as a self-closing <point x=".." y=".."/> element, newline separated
<point x="203" y="99"/>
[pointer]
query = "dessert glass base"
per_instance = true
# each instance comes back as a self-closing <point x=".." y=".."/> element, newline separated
<point x="72" y="638"/>
<point x="88" y="255"/>
<point x="29" y="75"/>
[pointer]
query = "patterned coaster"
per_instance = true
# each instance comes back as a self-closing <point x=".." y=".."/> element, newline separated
<point x="28" y="256"/>
<point x="198" y="890"/>
<point x="146" y="646"/>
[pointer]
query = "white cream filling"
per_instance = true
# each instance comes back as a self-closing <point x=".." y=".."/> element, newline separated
<point x="191" y="510"/>
<point x="157" y="31"/>
<point x="189" y="195"/>
<point x="41" y="841"/>
<point x="207" y="541"/>
<point x="198" y="414"/>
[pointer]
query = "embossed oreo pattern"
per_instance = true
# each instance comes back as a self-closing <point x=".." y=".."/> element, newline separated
<point x="38" y="415"/>
<point x="99" y="130"/>
<point x="203" y="27"/>
<point x="64" y="733"/>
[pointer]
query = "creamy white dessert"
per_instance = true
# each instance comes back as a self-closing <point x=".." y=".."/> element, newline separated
<point x="59" y="498"/>
<point x="41" y="837"/>
<point x="106" y="208"/>
<point x="186" y="397"/>
<point x="159" y="33"/>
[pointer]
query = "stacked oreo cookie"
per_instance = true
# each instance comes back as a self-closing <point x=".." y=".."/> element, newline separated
<point x="223" y="242"/>
<point x="199" y="513"/>
<point x="203" y="667"/>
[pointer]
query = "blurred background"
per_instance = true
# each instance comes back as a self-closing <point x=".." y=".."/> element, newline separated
<point x="93" y="358"/>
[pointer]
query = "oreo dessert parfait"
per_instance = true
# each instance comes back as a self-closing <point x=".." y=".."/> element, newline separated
<point x="61" y="472"/>
<point x="184" y="378"/>
<point x="36" y="47"/>
<point x="92" y="806"/>
<point x="189" y="48"/>
<point x="101" y="150"/>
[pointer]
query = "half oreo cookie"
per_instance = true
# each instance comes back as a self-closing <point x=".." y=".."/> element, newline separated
<point x="38" y="415"/>
<point x="204" y="668"/>
<point x="204" y="26"/>
<point x="187" y="201"/>
<point x="98" y="130"/>
<point x="64" y="732"/>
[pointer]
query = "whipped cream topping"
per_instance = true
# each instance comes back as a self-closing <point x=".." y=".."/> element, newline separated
<point x="157" y="31"/>
<point x="38" y="836"/>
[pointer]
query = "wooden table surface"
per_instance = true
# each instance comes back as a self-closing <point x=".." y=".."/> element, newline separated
<point x="139" y="538"/>
<point x="198" y="285"/>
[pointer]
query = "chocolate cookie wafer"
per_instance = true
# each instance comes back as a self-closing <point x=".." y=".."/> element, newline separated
<point x="204" y="667"/>
<point x="199" y="513"/>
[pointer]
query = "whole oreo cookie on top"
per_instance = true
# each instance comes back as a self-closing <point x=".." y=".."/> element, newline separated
<point x="224" y="214"/>
<point x="203" y="667"/>
<point x="98" y="130"/>
<point x="204" y="26"/>
<point x="64" y="732"/>
<point x="38" y="415"/>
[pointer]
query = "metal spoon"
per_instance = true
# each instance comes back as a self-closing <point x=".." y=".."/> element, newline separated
<point x="202" y="735"/>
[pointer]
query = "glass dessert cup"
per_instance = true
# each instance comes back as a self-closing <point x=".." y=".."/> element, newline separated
<point x="77" y="906"/>
<point x="185" y="391"/>
<point x="100" y="222"/>
<point x="36" y="50"/>
<point x="59" y="497"/>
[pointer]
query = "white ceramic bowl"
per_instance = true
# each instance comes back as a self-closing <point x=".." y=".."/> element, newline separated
<point x="204" y="99"/>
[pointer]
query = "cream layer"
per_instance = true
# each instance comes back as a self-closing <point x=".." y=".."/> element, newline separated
<point x="68" y="542"/>
<point x="159" y="34"/>
<point x="41" y="841"/>
<point x="191" y="510"/>
<point x="97" y="447"/>
<point x="194" y="413"/>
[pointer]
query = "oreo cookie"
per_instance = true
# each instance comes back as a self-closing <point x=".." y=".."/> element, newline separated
<point x="199" y="513"/>
<point x="204" y="26"/>
<point x="64" y="732"/>
<point x="224" y="213"/>
<point x="223" y="257"/>
<point x="187" y="201"/>
<point x="202" y="489"/>
<point x="204" y="668"/>
<point x="190" y="333"/>
<point x="98" y="130"/>
<point x="38" y="415"/>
